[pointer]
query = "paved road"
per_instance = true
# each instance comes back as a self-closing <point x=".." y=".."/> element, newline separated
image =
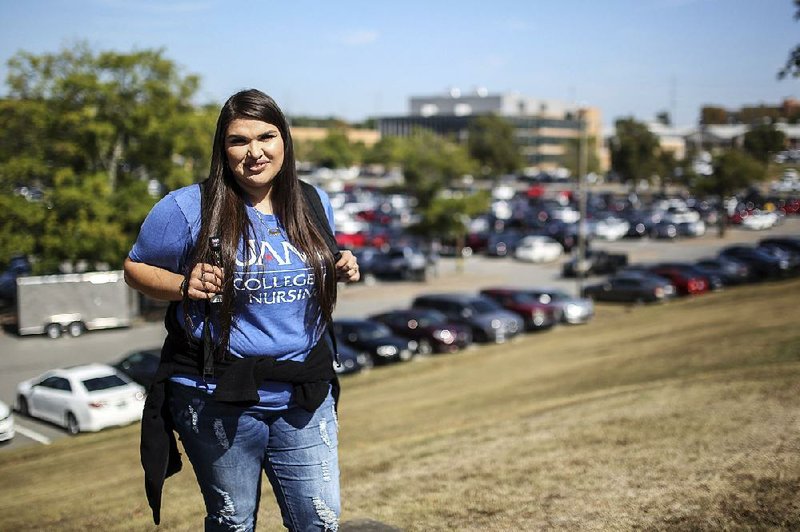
<point x="25" y="357"/>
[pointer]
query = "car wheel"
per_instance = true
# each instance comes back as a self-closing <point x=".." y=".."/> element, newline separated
<point x="424" y="347"/>
<point x="53" y="330"/>
<point x="75" y="329"/>
<point x="72" y="424"/>
<point x="22" y="406"/>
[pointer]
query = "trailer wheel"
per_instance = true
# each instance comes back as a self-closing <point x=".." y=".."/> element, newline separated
<point x="75" y="329"/>
<point x="53" y="330"/>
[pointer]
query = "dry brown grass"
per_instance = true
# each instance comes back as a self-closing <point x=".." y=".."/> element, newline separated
<point x="682" y="416"/>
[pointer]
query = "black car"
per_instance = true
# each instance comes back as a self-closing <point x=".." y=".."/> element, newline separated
<point x="140" y="366"/>
<point x="596" y="262"/>
<point x="503" y="244"/>
<point x="763" y="264"/>
<point x="350" y="360"/>
<point x="431" y="329"/>
<point x="729" y="270"/>
<point x="488" y="321"/>
<point x="631" y="288"/>
<point x="374" y="338"/>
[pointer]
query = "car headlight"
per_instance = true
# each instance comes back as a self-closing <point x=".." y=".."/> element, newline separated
<point x="572" y="309"/>
<point x="386" y="350"/>
<point x="443" y="335"/>
<point x="496" y="324"/>
<point x="784" y="264"/>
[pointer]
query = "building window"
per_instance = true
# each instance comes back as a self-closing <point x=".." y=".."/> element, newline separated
<point x="429" y="109"/>
<point x="462" y="109"/>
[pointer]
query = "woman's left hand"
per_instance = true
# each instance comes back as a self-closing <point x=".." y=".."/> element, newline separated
<point x="347" y="268"/>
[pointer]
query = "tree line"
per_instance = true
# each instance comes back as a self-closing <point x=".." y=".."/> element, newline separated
<point x="91" y="140"/>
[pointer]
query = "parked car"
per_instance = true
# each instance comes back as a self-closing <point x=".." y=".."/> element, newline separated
<point x="685" y="279"/>
<point x="536" y="315"/>
<point x="596" y="262"/>
<point x="503" y="243"/>
<point x="761" y="262"/>
<point x="374" y="338"/>
<point x="400" y="262"/>
<point x="538" y="249"/>
<point x="82" y="398"/>
<point x="350" y="360"/>
<point x="7" y="430"/>
<point x="573" y="309"/>
<point x="783" y="252"/>
<point x="729" y="270"/>
<point x="488" y="321"/>
<point x="18" y="266"/>
<point x="140" y="366"/>
<point x="631" y="288"/>
<point x="431" y="329"/>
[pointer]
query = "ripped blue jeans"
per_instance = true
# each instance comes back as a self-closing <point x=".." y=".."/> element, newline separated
<point x="229" y="446"/>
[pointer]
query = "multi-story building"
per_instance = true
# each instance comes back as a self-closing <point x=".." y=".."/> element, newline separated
<point x="543" y="128"/>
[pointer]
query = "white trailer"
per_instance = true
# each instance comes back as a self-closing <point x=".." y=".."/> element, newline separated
<point x="74" y="303"/>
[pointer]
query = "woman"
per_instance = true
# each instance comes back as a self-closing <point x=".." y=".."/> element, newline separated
<point x="246" y="382"/>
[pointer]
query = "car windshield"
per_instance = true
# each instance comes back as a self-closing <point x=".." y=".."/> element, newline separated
<point x="431" y="317"/>
<point x="524" y="298"/>
<point x="103" y="383"/>
<point x="371" y="330"/>
<point x="480" y="306"/>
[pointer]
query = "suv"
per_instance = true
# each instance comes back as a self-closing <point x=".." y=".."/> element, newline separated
<point x="488" y="321"/>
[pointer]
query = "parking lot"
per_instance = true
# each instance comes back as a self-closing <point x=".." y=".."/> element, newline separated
<point x="25" y="357"/>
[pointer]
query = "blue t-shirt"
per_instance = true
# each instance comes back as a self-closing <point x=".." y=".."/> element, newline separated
<point x="273" y="285"/>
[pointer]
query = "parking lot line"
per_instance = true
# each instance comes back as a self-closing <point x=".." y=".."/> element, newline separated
<point x="28" y="433"/>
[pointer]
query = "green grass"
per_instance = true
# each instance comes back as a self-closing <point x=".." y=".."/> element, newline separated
<point x="681" y="416"/>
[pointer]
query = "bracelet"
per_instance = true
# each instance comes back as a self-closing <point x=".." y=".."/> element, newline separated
<point x="184" y="286"/>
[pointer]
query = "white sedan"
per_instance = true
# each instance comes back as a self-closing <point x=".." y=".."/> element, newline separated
<point x="538" y="249"/>
<point x="6" y="422"/>
<point x="82" y="398"/>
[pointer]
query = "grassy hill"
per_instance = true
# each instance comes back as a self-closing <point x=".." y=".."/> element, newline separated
<point x="680" y="416"/>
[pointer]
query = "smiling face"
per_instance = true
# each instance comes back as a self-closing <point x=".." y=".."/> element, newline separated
<point x="255" y="153"/>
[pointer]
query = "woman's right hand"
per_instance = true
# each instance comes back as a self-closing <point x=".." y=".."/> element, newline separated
<point x="204" y="281"/>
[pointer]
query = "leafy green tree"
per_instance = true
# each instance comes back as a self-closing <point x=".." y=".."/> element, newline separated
<point x="430" y="163"/>
<point x="491" y="142"/>
<point x="733" y="171"/>
<point x="572" y="154"/>
<point x="763" y="141"/>
<point x="334" y="151"/>
<point x="792" y="67"/>
<point x="634" y="151"/>
<point x="91" y="130"/>
<point x="446" y="218"/>
<point x="387" y="151"/>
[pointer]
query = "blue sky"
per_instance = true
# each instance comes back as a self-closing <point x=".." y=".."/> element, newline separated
<point x="356" y="59"/>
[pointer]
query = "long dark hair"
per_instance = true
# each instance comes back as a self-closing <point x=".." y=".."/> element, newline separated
<point x="224" y="213"/>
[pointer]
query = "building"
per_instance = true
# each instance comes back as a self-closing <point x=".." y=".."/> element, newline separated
<point x="543" y="128"/>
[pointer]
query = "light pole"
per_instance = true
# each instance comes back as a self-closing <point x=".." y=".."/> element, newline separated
<point x="582" y="199"/>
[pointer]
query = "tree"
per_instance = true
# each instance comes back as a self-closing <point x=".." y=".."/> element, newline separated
<point x="733" y="171"/>
<point x="792" y="67"/>
<point x="634" y="151"/>
<point x="664" y="118"/>
<point x="430" y="163"/>
<point x="91" y="130"/>
<point x="447" y="218"/>
<point x="763" y="141"/>
<point x="491" y="142"/>
<point x="335" y="150"/>
<point x="572" y="153"/>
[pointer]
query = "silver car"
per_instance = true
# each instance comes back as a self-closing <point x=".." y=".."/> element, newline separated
<point x="574" y="310"/>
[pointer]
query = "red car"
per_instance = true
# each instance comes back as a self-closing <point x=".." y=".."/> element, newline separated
<point x="537" y="315"/>
<point x="684" y="281"/>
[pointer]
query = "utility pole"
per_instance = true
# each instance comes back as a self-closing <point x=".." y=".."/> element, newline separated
<point x="582" y="200"/>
